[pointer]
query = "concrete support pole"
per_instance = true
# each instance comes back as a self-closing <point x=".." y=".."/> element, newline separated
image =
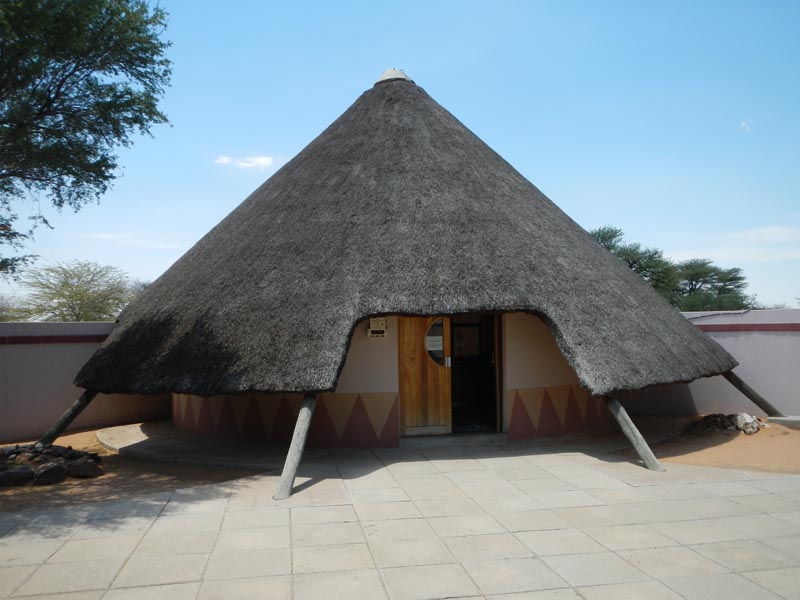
<point x="296" y="448"/>
<point x="752" y="395"/>
<point x="68" y="417"/>
<point x="629" y="429"/>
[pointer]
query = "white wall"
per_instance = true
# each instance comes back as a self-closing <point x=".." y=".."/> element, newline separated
<point x="768" y="360"/>
<point x="372" y="364"/>
<point x="36" y="382"/>
<point x="531" y="357"/>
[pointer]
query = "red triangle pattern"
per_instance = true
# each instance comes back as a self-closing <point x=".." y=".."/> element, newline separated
<point x="390" y="436"/>
<point x="359" y="433"/>
<point x="572" y="420"/>
<point x="188" y="417"/>
<point x="520" y="426"/>
<point x="253" y="426"/>
<point x="592" y="418"/>
<point x="549" y="423"/>
<point x="227" y="422"/>
<point x="205" y="424"/>
<point x="321" y="432"/>
<point x="283" y="427"/>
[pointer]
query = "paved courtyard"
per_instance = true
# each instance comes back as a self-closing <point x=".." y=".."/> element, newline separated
<point x="502" y="522"/>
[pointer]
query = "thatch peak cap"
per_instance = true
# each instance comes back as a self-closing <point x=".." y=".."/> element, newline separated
<point x="391" y="75"/>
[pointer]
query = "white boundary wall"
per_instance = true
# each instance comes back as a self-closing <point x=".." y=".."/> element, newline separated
<point x="767" y="345"/>
<point x="38" y="362"/>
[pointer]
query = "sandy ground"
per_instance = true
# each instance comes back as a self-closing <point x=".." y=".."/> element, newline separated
<point x="124" y="477"/>
<point x="776" y="449"/>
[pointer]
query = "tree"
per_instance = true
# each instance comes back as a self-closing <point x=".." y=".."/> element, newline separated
<point x="649" y="263"/>
<point x="695" y="284"/>
<point x="75" y="291"/>
<point x="9" y="311"/>
<point x="78" y="79"/>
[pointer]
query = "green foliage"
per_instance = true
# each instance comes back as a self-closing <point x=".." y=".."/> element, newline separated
<point x="696" y="284"/>
<point x="76" y="291"/>
<point x="9" y="311"/>
<point x="78" y="79"/>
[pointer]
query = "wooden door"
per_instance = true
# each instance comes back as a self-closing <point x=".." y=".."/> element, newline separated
<point x="424" y="350"/>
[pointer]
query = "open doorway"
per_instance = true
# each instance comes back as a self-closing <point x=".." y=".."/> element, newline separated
<point x="474" y="348"/>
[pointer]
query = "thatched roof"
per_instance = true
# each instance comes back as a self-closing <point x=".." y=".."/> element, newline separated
<point x="396" y="208"/>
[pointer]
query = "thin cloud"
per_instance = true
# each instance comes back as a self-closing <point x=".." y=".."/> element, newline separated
<point x="775" y="243"/>
<point x="769" y="235"/>
<point x="131" y="239"/>
<point x="251" y="162"/>
<point x="746" y="125"/>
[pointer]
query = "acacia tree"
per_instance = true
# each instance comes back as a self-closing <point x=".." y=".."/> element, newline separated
<point x="75" y="291"/>
<point x="695" y="284"/>
<point x="78" y="79"/>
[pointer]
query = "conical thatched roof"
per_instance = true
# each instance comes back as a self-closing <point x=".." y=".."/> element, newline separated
<point x="396" y="208"/>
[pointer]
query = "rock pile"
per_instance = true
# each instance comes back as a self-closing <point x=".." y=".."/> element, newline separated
<point x="725" y="423"/>
<point x="45" y="465"/>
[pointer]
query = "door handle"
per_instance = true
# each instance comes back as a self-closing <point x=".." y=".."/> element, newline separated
<point x="448" y="362"/>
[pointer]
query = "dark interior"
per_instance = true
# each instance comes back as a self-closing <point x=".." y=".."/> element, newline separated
<point x="474" y="390"/>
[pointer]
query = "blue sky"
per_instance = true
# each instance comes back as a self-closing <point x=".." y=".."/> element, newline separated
<point x="677" y="121"/>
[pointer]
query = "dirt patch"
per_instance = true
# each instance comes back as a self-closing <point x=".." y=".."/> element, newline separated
<point x="124" y="477"/>
<point x="775" y="449"/>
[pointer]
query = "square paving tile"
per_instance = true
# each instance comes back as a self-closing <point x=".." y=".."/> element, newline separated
<point x="695" y="532"/>
<point x="251" y="588"/>
<point x="327" y="533"/>
<point x="411" y="553"/>
<point x="182" y="523"/>
<point x="466" y="525"/>
<point x="595" y="516"/>
<point x="398" y="530"/>
<point x="487" y="547"/>
<point x="593" y="569"/>
<point x="784" y="582"/>
<point x="532" y="520"/>
<point x="428" y="582"/>
<point x="108" y="528"/>
<point x="559" y="541"/>
<point x="319" y="559"/>
<point x="233" y="564"/>
<point x="788" y="545"/>
<point x="637" y="590"/>
<point x="673" y="561"/>
<point x="322" y="514"/>
<point x="157" y="570"/>
<point x="175" y="591"/>
<point x="252" y="539"/>
<point x="513" y="575"/>
<point x="629" y="537"/>
<point x="455" y="507"/>
<point x="771" y="503"/>
<point x="361" y="585"/>
<point x="745" y="555"/>
<point x="12" y="577"/>
<point x="31" y="553"/>
<point x="96" y="549"/>
<point x="248" y="519"/>
<point x="166" y="544"/>
<point x="377" y="511"/>
<point x="390" y="494"/>
<point x="565" y="499"/>
<point x="755" y="526"/>
<point x="69" y="577"/>
<point x="724" y="586"/>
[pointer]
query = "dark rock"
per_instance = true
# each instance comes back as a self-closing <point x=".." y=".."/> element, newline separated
<point x="84" y="468"/>
<point x="49" y="473"/>
<point x="16" y="476"/>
